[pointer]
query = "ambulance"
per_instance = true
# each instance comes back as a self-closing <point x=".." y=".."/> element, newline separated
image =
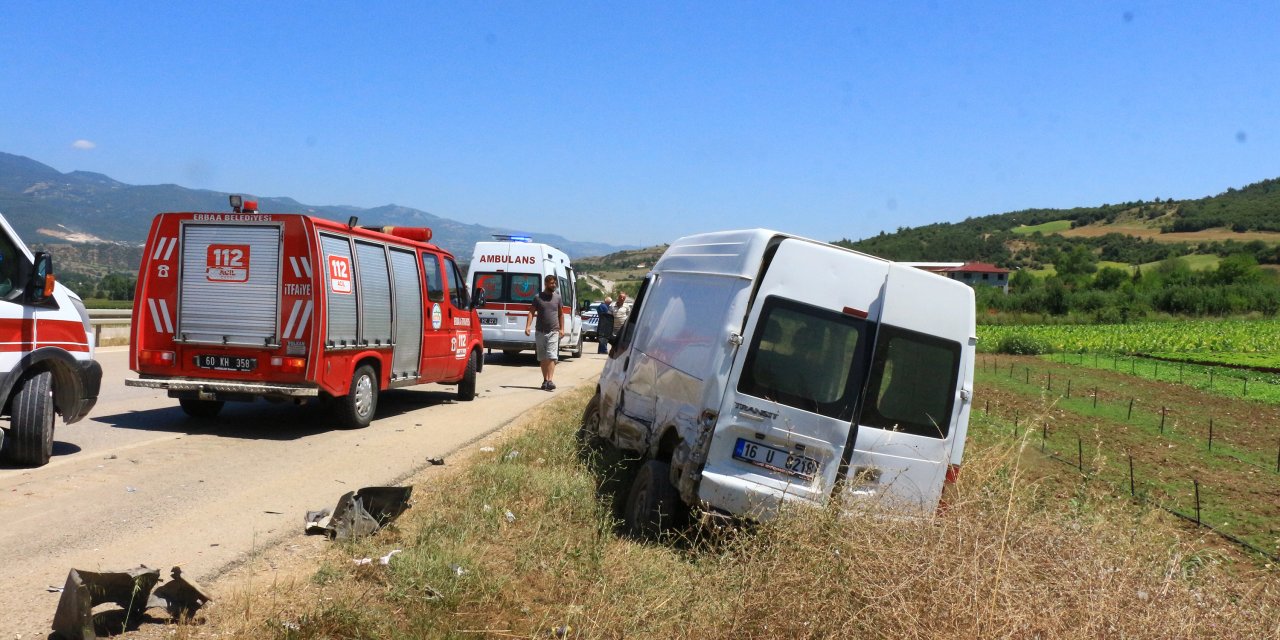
<point x="46" y="352"/>
<point x="233" y="306"/>
<point x="759" y="369"/>
<point x="510" y="271"/>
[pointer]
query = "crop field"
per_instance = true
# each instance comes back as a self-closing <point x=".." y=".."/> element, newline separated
<point x="1211" y="458"/>
<point x="1196" y="340"/>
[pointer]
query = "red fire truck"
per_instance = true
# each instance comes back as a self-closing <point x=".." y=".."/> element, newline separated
<point x="241" y="305"/>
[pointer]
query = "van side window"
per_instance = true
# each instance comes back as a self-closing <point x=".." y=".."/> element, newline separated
<point x="566" y="293"/>
<point x="435" y="286"/>
<point x="805" y="357"/>
<point x="912" y="383"/>
<point x="457" y="292"/>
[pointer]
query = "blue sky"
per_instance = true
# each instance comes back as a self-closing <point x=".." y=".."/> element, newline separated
<point x="636" y="123"/>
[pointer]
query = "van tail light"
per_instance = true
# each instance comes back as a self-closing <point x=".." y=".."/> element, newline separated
<point x="953" y="475"/>
<point x="289" y="365"/>
<point x="156" y="358"/>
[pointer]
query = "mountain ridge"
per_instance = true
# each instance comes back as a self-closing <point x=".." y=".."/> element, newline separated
<point x="36" y="199"/>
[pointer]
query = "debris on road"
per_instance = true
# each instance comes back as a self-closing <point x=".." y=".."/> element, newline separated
<point x="436" y="461"/>
<point x="486" y="449"/>
<point x="360" y="513"/>
<point x="74" y="618"/>
<point x="181" y="597"/>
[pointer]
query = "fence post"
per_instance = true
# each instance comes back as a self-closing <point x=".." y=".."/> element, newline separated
<point x="1210" y="378"/>
<point x="1080" y="454"/>
<point x="1133" y="366"/>
<point x="1197" y="486"/>
<point x="1010" y="369"/>
<point x="1246" y="387"/>
<point x="1156" y="375"/>
<point x="1044" y="435"/>
<point x="1028" y="372"/>
<point x="1127" y="417"/>
<point x="988" y="412"/>
<point x="1015" y="420"/>
<point x="1162" y="412"/>
<point x="1049" y="382"/>
<point x="1095" y="397"/>
<point x="1068" y="388"/>
<point x="1132" y="492"/>
<point x="1179" y="373"/>
<point x="1211" y="434"/>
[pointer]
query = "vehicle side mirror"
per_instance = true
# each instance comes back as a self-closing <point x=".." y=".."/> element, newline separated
<point x="478" y="300"/>
<point x="40" y="287"/>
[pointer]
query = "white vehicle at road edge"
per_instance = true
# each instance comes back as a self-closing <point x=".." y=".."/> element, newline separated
<point x="759" y="367"/>
<point x="46" y="352"/>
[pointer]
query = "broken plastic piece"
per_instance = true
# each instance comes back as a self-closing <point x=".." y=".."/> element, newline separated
<point x="360" y="513"/>
<point x="387" y="558"/>
<point x="181" y="597"/>
<point x="131" y="590"/>
<point x="436" y="461"/>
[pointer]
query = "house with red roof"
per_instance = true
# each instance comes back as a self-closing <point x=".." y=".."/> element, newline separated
<point x="971" y="273"/>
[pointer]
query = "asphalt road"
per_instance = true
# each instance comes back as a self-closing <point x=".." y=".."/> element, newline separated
<point x="137" y="482"/>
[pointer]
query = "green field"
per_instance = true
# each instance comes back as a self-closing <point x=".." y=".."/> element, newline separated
<point x="1057" y="226"/>
<point x="1204" y="338"/>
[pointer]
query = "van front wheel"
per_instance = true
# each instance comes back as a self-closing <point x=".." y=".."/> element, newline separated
<point x="467" y="387"/>
<point x="31" y="425"/>
<point x="653" y="505"/>
<point x="361" y="400"/>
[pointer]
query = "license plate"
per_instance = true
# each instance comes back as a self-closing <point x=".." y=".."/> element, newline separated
<point x="226" y="363"/>
<point x="488" y="321"/>
<point x="775" y="459"/>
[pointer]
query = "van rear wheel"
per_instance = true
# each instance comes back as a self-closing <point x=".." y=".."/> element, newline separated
<point x="577" y="351"/>
<point x="197" y="408"/>
<point x="653" y="505"/>
<point x="467" y="387"/>
<point x="30" y="439"/>
<point x="361" y="401"/>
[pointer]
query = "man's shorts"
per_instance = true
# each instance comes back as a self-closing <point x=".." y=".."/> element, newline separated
<point x="547" y="345"/>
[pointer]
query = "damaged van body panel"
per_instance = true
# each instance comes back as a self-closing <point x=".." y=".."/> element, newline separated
<point x="763" y="368"/>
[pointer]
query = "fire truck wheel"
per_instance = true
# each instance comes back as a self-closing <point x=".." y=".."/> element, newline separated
<point x="467" y="387"/>
<point x="653" y="505"/>
<point x="361" y="400"/>
<point x="200" y="408"/>
<point x="30" y="439"/>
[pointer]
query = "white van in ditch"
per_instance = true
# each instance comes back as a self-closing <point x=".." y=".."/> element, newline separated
<point x="758" y="367"/>
<point x="510" y="272"/>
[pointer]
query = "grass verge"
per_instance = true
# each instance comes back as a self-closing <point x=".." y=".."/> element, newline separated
<point x="522" y="544"/>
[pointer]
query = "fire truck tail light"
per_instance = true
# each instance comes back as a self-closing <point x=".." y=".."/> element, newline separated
<point x="156" y="358"/>
<point x="293" y="365"/>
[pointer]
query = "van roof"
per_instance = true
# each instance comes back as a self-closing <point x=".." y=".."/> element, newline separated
<point x="732" y="253"/>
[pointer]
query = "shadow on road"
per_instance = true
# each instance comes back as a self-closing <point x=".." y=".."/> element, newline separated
<point x="261" y="420"/>
<point x="59" y="449"/>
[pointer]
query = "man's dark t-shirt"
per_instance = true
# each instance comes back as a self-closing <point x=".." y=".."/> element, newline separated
<point x="546" y="310"/>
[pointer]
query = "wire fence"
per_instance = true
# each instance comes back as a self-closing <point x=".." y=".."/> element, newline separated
<point x="1153" y="482"/>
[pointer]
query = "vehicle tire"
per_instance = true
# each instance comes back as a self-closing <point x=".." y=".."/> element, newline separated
<point x="589" y="431"/>
<point x="467" y="386"/>
<point x="361" y="401"/>
<point x="197" y="408"/>
<point x="577" y="351"/>
<point x="30" y="440"/>
<point x="510" y="354"/>
<point x="653" y="505"/>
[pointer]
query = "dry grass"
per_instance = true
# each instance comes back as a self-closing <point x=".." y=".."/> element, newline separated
<point x="1009" y="558"/>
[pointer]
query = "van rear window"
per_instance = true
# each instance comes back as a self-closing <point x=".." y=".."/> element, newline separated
<point x="912" y="385"/>
<point x="507" y="287"/>
<point x="806" y="357"/>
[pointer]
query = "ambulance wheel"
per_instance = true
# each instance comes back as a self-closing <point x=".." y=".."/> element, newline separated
<point x="30" y="439"/>
<point x="361" y="400"/>
<point x="653" y="505"/>
<point x="467" y="387"/>
<point x="510" y="354"/>
<point x="197" y="408"/>
<point x="577" y="351"/>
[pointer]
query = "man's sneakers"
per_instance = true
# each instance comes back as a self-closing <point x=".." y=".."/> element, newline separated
<point x="548" y="385"/>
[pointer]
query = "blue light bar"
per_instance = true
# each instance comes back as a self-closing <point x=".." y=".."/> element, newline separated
<point x="507" y="238"/>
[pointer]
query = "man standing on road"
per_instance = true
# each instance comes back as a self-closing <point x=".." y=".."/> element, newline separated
<point x="604" y="324"/>
<point x="546" y="308"/>
<point x="620" y="312"/>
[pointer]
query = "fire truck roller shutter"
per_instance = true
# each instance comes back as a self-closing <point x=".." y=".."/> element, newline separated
<point x="339" y="291"/>
<point x="404" y="269"/>
<point x="375" y="294"/>
<point x="230" y="284"/>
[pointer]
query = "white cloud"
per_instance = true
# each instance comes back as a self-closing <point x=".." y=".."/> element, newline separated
<point x="83" y="144"/>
